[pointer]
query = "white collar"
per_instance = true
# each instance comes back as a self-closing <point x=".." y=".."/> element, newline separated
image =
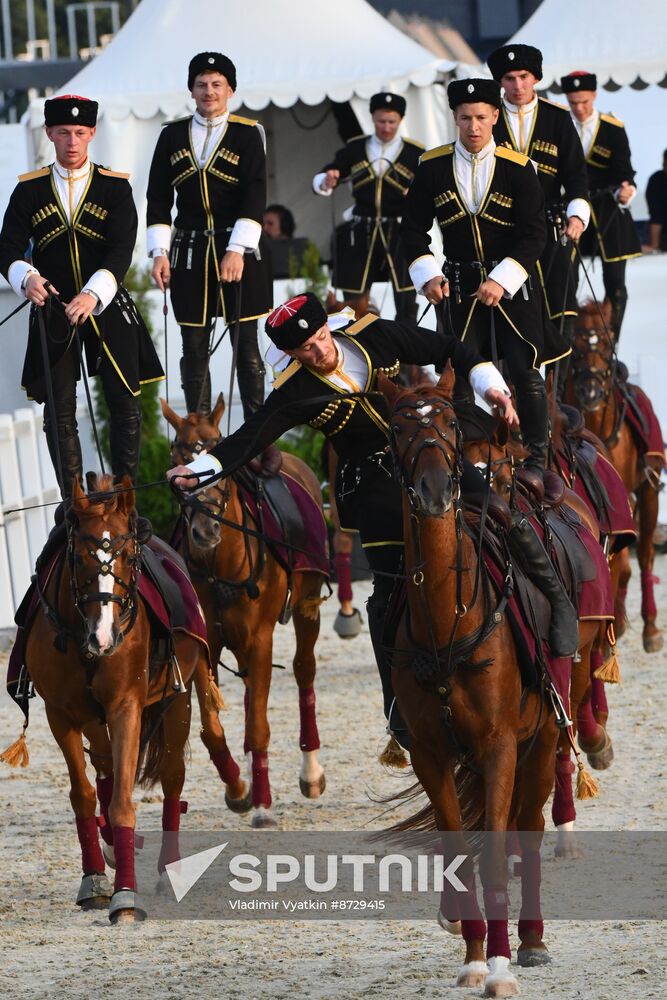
<point x="214" y="122"/>
<point x="76" y="175"/>
<point x="482" y="155"/>
<point x="587" y="121"/>
<point x="514" y="108"/>
<point x="276" y="358"/>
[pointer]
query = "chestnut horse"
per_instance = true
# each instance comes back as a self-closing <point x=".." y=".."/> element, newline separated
<point x="99" y="680"/>
<point x="244" y="592"/>
<point x="501" y="738"/>
<point x="591" y="384"/>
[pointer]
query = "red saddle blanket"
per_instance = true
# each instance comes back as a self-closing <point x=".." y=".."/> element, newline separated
<point x="164" y="586"/>
<point x="641" y="418"/>
<point x="610" y="504"/>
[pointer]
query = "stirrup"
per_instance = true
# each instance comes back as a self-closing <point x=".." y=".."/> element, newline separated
<point x="562" y="720"/>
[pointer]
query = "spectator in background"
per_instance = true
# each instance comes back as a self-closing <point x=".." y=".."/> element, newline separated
<point x="656" y="196"/>
<point x="286" y="250"/>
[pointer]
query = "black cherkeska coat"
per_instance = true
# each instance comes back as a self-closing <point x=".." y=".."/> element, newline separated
<point x="101" y="237"/>
<point x="209" y="200"/>
<point x="554" y="147"/>
<point x="612" y="233"/>
<point x="368" y="248"/>
<point x="509" y="223"/>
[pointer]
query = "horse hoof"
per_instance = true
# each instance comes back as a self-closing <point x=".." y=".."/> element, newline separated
<point x="500" y="982"/>
<point x="653" y="643"/>
<point x="262" y="819"/>
<point x="530" y="958"/>
<point x="568" y="852"/>
<point x="242" y="805"/>
<point x="348" y="626"/>
<point x="313" y="789"/>
<point x="472" y="974"/>
<point x="601" y="759"/>
<point x="452" y="927"/>
<point x="123" y="908"/>
<point x="94" y="892"/>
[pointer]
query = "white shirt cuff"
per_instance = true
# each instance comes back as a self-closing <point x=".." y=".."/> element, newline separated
<point x="510" y="274"/>
<point x="423" y="269"/>
<point x="236" y="248"/>
<point x="104" y="286"/>
<point x="17" y="273"/>
<point x="580" y="208"/>
<point x="157" y="238"/>
<point x="485" y="376"/>
<point x="630" y="199"/>
<point x="246" y="233"/>
<point x="205" y="463"/>
<point x="317" y="185"/>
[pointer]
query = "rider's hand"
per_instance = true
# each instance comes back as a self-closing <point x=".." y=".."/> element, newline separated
<point x="80" y="308"/>
<point x="574" y="228"/>
<point x="498" y="400"/>
<point x="161" y="271"/>
<point x="625" y="192"/>
<point x="436" y="290"/>
<point x="36" y="291"/>
<point x="330" y="180"/>
<point x="177" y="477"/>
<point x="231" y="266"/>
<point x="489" y="292"/>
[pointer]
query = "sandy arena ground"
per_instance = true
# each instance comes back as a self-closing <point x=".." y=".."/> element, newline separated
<point x="53" y="950"/>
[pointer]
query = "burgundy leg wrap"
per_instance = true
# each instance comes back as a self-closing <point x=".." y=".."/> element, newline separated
<point x="599" y="697"/>
<point x="172" y="809"/>
<point x="530" y="918"/>
<point x="496" y="903"/>
<point x="92" y="860"/>
<point x="261" y="789"/>
<point x="473" y="925"/>
<point x="246" y="706"/>
<point x="562" y="808"/>
<point x="649" y="609"/>
<point x="587" y="727"/>
<point x="104" y="793"/>
<point x="309" y="738"/>
<point x="226" y="766"/>
<point x="343" y="565"/>
<point x="123" y="845"/>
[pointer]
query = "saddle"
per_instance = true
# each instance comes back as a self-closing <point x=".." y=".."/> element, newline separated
<point x="275" y="492"/>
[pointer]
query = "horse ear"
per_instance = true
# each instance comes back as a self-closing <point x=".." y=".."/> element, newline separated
<point x="218" y="410"/>
<point x="79" y="498"/>
<point x="549" y="383"/>
<point x="502" y="432"/>
<point x="126" y="495"/>
<point x="446" y="380"/>
<point x="170" y="415"/>
<point x="389" y="390"/>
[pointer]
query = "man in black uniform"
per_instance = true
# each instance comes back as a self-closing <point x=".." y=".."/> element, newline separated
<point x="489" y="206"/>
<point x="380" y="168"/>
<point x="81" y="223"/>
<point x="319" y="363"/>
<point x="215" y="164"/>
<point x="544" y="132"/>
<point x="612" y="232"/>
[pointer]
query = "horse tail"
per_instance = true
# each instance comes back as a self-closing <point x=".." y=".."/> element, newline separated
<point x="470" y="792"/>
<point x="152" y="745"/>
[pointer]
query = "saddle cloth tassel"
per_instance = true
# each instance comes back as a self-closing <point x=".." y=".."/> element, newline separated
<point x="17" y="755"/>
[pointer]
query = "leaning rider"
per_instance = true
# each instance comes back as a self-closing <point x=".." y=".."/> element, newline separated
<point x="320" y="364"/>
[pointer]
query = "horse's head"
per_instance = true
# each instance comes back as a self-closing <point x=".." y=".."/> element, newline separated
<point x="104" y="561"/>
<point x="496" y="457"/>
<point x="425" y="442"/>
<point x="593" y="357"/>
<point x="195" y="435"/>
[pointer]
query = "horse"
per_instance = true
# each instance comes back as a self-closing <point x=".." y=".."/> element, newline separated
<point x="497" y="455"/>
<point x="103" y="678"/>
<point x="482" y="748"/>
<point x="245" y="590"/>
<point x="606" y="400"/>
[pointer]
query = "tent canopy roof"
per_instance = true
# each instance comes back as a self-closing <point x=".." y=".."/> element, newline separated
<point x="621" y="43"/>
<point x="284" y="51"/>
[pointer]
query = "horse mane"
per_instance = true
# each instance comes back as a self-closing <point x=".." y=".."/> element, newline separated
<point x="591" y="310"/>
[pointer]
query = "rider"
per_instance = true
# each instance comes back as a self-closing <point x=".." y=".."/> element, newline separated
<point x="320" y="361"/>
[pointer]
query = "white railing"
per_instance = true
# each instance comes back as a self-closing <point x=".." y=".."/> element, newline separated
<point x="27" y="479"/>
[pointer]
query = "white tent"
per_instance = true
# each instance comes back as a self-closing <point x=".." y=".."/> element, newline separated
<point x="293" y="58"/>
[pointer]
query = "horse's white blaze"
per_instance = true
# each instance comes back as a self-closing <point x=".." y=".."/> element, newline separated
<point x="423" y="411"/>
<point x="104" y="629"/>
<point x="311" y="769"/>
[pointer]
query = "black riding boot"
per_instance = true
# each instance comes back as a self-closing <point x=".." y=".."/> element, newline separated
<point x="377" y="608"/>
<point x="251" y="387"/>
<point x="195" y="374"/>
<point x="533" y="558"/>
<point x="70" y="454"/>
<point x="619" y="301"/>
<point x="531" y="404"/>
<point x="125" y="437"/>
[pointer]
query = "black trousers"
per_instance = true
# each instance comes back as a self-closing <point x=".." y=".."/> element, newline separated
<point x="124" y="421"/>
<point x="195" y="375"/>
